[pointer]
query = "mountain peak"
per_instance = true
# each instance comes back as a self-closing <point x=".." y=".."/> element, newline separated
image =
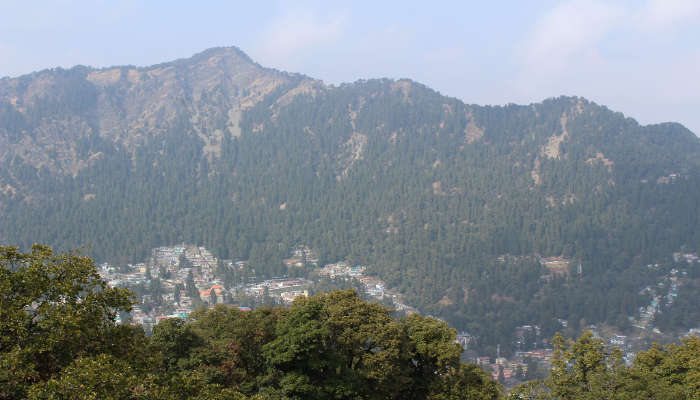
<point x="228" y="53"/>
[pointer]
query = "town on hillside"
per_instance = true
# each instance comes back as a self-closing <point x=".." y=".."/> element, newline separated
<point x="175" y="280"/>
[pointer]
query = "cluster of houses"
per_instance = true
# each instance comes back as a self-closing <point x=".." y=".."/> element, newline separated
<point x="301" y="256"/>
<point x="374" y="287"/>
<point x="509" y="369"/>
<point x="687" y="257"/>
<point x="665" y="291"/>
<point x="464" y="339"/>
<point x="285" y="289"/>
<point x="665" y="180"/>
<point x="512" y="370"/>
<point x="177" y="268"/>
<point x="340" y="270"/>
<point x="172" y="267"/>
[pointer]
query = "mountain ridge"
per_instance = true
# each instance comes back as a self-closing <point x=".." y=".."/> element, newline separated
<point x="426" y="190"/>
<point x="220" y="51"/>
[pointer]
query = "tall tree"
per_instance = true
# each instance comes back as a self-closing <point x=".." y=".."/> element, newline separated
<point x="54" y="308"/>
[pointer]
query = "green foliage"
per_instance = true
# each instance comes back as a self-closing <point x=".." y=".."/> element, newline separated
<point x="53" y="309"/>
<point x="101" y="377"/>
<point x="671" y="372"/>
<point x="467" y="382"/>
<point x="585" y="369"/>
<point x="175" y="341"/>
<point x="684" y="312"/>
<point x="60" y="342"/>
<point x="327" y="346"/>
<point x="335" y="345"/>
<point x="235" y="340"/>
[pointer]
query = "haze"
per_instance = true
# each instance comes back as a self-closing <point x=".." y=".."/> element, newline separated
<point x="639" y="57"/>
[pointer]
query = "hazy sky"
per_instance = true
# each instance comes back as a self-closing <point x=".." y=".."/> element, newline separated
<point x="638" y="57"/>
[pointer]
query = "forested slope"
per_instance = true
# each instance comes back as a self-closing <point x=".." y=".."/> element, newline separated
<point x="449" y="203"/>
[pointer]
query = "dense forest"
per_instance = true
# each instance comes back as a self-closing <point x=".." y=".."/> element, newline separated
<point x="58" y="340"/>
<point x="449" y="203"/>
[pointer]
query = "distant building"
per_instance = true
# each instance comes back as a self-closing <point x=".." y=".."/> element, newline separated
<point x="618" y="340"/>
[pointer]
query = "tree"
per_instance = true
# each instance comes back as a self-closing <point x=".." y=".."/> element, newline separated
<point x="100" y="377"/>
<point x="176" y="293"/>
<point x="584" y="369"/>
<point x="337" y="346"/>
<point x="435" y="352"/>
<point x="174" y="340"/>
<point x="233" y="355"/>
<point x="184" y="262"/>
<point x="532" y="367"/>
<point x="519" y="373"/>
<point x="192" y="290"/>
<point x="466" y="382"/>
<point x="670" y="372"/>
<point x="54" y="308"/>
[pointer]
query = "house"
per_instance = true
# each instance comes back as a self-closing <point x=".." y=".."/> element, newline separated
<point x="618" y="340"/>
<point x="288" y="297"/>
<point x="463" y="338"/>
<point x="376" y="291"/>
<point x="483" y="361"/>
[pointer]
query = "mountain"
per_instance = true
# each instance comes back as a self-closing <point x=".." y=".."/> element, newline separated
<point x="451" y="204"/>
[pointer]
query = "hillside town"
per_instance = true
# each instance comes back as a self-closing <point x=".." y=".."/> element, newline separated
<point x="175" y="280"/>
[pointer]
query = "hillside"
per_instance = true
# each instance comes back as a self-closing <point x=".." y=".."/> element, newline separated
<point x="451" y="204"/>
<point x="332" y="345"/>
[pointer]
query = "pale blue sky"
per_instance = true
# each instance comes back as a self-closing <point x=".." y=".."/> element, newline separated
<point x="638" y="57"/>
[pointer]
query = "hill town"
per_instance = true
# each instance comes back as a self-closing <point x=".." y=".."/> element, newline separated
<point x="176" y="280"/>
